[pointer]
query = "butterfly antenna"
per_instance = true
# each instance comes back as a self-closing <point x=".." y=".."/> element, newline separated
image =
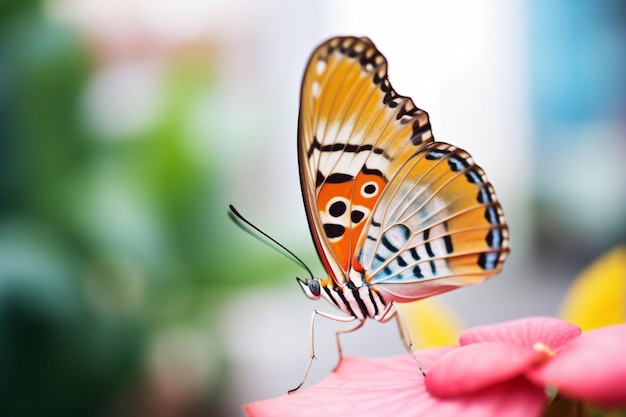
<point x="237" y="217"/>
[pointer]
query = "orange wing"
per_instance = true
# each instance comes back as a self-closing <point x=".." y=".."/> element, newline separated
<point x="354" y="133"/>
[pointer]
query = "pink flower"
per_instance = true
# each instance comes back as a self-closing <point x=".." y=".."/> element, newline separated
<point x="548" y="352"/>
<point x="393" y="386"/>
<point x="499" y="370"/>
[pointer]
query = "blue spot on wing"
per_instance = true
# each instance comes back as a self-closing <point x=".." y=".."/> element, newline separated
<point x="473" y="177"/>
<point x="436" y="154"/>
<point x="457" y="163"/>
<point x="483" y="195"/>
<point x="491" y="215"/>
<point x="494" y="238"/>
<point x="488" y="260"/>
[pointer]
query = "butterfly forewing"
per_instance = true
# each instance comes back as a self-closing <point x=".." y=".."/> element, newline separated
<point x="355" y="133"/>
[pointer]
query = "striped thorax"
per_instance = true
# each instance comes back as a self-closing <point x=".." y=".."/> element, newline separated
<point x="361" y="302"/>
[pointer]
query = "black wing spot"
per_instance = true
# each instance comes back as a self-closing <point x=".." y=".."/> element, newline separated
<point x="334" y="230"/>
<point x="337" y="147"/>
<point x="337" y="209"/>
<point x="399" y="228"/>
<point x="338" y="178"/>
<point x="376" y="172"/>
<point x="319" y="180"/>
<point x="390" y="246"/>
<point x="417" y="272"/>
<point x="370" y="189"/>
<point x="356" y="216"/>
<point x="429" y="249"/>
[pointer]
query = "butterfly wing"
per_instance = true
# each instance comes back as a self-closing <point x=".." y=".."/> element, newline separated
<point x="354" y="132"/>
<point x="437" y="226"/>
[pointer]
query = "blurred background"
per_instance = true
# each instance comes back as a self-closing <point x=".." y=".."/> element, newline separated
<point x="128" y="126"/>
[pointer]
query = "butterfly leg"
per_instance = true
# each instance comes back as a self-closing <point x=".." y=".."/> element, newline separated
<point x="337" y="336"/>
<point x="390" y="313"/>
<point x="312" y="347"/>
<point x="406" y="337"/>
<point x="387" y="314"/>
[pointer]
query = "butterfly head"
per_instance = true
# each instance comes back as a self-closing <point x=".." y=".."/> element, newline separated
<point x="312" y="287"/>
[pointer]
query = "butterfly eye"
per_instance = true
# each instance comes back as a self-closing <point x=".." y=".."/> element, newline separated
<point x="314" y="287"/>
<point x="369" y="189"/>
<point x="311" y="288"/>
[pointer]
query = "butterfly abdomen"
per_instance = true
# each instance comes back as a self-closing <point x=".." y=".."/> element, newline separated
<point x="361" y="302"/>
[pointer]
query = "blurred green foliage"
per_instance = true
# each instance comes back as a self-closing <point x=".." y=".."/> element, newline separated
<point x="104" y="242"/>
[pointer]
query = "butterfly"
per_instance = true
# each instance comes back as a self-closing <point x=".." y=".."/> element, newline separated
<point x="395" y="216"/>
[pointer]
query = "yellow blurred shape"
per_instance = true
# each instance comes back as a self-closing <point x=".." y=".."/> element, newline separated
<point x="431" y="323"/>
<point x="597" y="298"/>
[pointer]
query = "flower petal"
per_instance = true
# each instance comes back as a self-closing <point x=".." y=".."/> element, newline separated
<point x="477" y="366"/>
<point x="590" y="368"/>
<point x="369" y="387"/>
<point x="525" y="332"/>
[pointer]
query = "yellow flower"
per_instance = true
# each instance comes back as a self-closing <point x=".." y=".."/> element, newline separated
<point x="597" y="298"/>
<point x="431" y="323"/>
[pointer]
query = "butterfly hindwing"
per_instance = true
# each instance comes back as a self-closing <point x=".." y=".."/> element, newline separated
<point x="437" y="226"/>
<point x="354" y="133"/>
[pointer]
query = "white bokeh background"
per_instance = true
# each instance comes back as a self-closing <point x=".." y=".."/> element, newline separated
<point x="470" y="65"/>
